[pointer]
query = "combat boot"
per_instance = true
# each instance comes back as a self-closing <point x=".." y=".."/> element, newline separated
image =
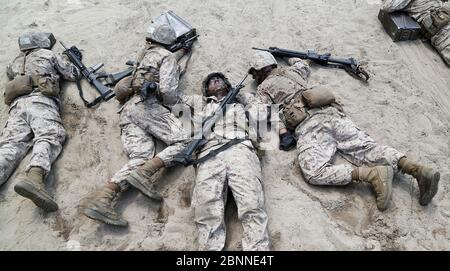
<point x="427" y="179"/>
<point x="141" y="178"/>
<point x="100" y="206"/>
<point x="380" y="178"/>
<point x="31" y="186"/>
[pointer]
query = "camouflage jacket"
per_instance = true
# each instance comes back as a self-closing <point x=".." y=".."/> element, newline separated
<point x="417" y="9"/>
<point x="232" y="125"/>
<point x="283" y="82"/>
<point x="168" y="72"/>
<point x="45" y="63"/>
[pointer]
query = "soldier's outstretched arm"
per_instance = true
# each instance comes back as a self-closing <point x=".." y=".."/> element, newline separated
<point x="169" y="76"/>
<point x="301" y="66"/>
<point x="180" y="53"/>
<point x="193" y="101"/>
<point x="66" y="68"/>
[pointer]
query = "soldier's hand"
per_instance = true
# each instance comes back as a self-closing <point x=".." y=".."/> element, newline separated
<point x="188" y="46"/>
<point x="287" y="141"/>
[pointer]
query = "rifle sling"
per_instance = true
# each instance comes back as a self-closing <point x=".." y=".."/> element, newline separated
<point x="86" y="103"/>
<point x="186" y="64"/>
<point x="24" y="62"/>
<point x="213" y="153"/>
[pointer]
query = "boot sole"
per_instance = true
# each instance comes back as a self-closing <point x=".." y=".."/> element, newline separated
<point x="131" y="180"/>
<point x="390" y="176"/>
<point x="95" y="215"/>
<point x="432" y="191"/>
<point x="30" y="192"/>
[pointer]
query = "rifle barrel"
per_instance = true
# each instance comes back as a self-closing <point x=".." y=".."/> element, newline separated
<point x="309" y="55"/>
<point x="210" y="121"/>
<point x="260" y="49"/>
<point x="63" y="45"/>
<point x="192" y="38"/>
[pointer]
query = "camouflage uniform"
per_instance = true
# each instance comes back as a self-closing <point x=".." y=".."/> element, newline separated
<point x="329" y="130"/>
<point x="281" y="85"/>
<point x="325" y="131"/>
<point x="419" y="10"/>
<point x="34" y="119"/>
<point x="143" y="122"/>
<point x="237" y="167"/>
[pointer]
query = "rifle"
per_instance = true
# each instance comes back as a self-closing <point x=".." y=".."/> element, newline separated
<point x="112" y="78"/>
<point x="183" y="43"/>
<point x="350" y="65"/>
<point x="75" y="56"/>
<point x="185" y="157"/>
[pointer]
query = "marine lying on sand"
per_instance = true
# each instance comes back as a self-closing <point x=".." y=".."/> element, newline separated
<point x="34" y="119"/>
<point x="318" y="133"/>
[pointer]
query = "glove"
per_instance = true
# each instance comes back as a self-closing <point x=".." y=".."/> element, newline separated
<point x="188" y="46"/>
<point x="287" y="141"/>
<point x="148" y="87"/>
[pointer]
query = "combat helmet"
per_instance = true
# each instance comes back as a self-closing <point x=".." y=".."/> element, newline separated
<point x="211" y="75"/>
<point x="161" y="33"/>
<point x="260" y="60"/>
<point x="33" y="40"/>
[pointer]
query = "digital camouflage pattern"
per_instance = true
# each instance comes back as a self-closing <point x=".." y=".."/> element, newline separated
<point x="282" y="84"/>
<point x="329" y="131"/>
<point x="141" y="122"/>
<point x="260" y="60"/>
<point x="415" y="8"/>
<point x="323" y="132"/>
<point x="164" y="63"/>
<point x="34" y="119"/>
<point x="419" y="10"/>
<point x="238" y="168"/>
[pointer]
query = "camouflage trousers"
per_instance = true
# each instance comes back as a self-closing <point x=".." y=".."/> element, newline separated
<point x="141" y="123"/>
<point x="34" y="121"/>
<point x="441" y="41"/>
<point x="329" y="131"/>
<point x="239" y="169"/>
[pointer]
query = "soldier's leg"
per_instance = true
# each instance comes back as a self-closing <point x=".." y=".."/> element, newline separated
<point x="361" y="148"/>
<point x="15" y="142"/>
<point x="208" y="201"/>
<point x="163" y="125"/>
<point x="244" y="179"/>
<point x="364" y="150"/>
<point x="316" y="147"/>
<point x="99" y="206"/>
<point x="318" y="143"/>
<point x="139" y="146"/>
<point x="49" y="135"/>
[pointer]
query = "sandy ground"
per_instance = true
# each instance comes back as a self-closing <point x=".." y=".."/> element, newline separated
<point x="406" y="105"/>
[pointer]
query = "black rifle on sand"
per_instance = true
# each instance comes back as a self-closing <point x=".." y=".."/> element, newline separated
<point x="182" y="44"/>
<point x="93" y="77"/>
<point x="185" y="157"/>
<point x="350" y="65"/>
